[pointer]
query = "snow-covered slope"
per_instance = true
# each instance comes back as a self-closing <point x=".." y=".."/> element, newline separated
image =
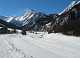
<point x="39" y="45"/>
<point x="74" y="2"/>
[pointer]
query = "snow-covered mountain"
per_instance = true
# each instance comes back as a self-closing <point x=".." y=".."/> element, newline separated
<point x="28" y="19"/>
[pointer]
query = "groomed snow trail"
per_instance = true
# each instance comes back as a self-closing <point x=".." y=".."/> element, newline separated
<point x="39" y="45"/>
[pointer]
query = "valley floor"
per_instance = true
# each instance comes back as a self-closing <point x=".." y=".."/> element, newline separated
<point x="39" y="45"/>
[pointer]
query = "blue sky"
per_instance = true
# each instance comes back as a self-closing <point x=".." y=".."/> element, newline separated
<point x="17" y="7"/>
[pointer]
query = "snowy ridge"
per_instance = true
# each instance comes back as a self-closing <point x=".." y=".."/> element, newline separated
<point x="69" y="7"/>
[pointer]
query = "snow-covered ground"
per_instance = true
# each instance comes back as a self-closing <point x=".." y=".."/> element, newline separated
<point x="39" y="45"/>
